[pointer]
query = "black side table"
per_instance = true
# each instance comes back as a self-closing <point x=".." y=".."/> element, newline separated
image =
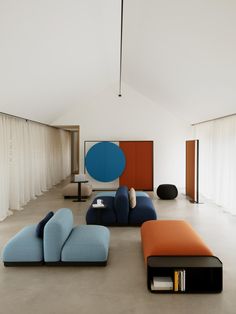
<point x="79" y="197"/>
<point x="99" y="214"/>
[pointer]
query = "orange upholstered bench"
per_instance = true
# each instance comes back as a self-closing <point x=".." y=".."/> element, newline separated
<point x="172" y="249"/>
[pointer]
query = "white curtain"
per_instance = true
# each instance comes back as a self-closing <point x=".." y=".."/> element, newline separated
<point x="4" y="166"/>
<point x="217" y="142"/>
<point x="33" y="158"/>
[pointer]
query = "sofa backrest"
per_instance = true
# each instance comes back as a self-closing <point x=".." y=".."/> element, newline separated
<point x="121" y="205"/>
<point x="56" y="232"/>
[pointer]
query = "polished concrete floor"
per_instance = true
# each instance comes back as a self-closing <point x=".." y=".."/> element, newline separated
<point x="120" y="287"/>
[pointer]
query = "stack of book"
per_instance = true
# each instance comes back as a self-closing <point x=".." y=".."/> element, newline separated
<point x="162" y="284"/>
<point x="99" y="204"/>
<point x="179" y="280"/>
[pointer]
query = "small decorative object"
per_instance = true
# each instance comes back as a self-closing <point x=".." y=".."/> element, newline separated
<point x="79" y="177"/>
<point x="167" y="191"/>
<point x="99" y="201"/>
<point x="99" y="204"/>
<point x="132" y="198"/>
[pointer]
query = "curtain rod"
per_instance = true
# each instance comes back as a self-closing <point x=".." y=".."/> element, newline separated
<point x="218" y="118"/>
<point x="18" y="117"/>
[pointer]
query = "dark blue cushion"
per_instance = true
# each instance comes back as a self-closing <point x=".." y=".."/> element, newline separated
<point x="121" y="205"/>
<point x="143" y="211"/>
<point x="104" y="216"/>
<point x="41" y="225"/>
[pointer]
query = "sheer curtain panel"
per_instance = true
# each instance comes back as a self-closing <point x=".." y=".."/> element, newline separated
<point x="33" y="158"/>
<point x="4" y="166"/>
<point x="217" y="140"/>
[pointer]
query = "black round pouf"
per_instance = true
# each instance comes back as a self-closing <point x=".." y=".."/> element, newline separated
<point x="167" y="191"/>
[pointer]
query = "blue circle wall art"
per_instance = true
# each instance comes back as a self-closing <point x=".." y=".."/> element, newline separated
<point x="105" y="161"/>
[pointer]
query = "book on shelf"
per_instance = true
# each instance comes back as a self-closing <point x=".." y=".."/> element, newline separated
<point x="160" y="288"/>
<point x="98" y="205"/>
<point x="184" y="280"/>
<point x="163" y="283"/>
<point x="176" y="280"/>
<point x="179" y="280"/>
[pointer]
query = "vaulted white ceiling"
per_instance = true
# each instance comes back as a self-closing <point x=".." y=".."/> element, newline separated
<point x="54" y="54"/>
<point x="58" y="54"/>
<point x="182" y="54"/>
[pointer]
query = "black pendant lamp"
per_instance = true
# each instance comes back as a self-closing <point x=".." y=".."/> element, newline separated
<point x="121" y="44"/>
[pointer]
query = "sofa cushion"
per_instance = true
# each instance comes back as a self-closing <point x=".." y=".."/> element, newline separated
<point x="113" y="193"/>
<point x="143" y="211"/>
<point x="86" y="244"/>
<point x="171" y="238"/>
<point x="106" y="215"/>
<point x="132" y="197"/>
<point x="121" y="205"/>
<point x="25" y="246"/>
<point x="40" y="226"/>
<point x="71" y="189"/>
<point x="141" y="193"/>
<point x="106" y="193"/>
<point x="56" y="232"/>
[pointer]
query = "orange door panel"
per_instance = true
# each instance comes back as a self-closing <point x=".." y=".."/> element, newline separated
<point x="192" y="169"/>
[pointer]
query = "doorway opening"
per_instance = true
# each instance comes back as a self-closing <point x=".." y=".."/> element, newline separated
<point x="75" y="146"/>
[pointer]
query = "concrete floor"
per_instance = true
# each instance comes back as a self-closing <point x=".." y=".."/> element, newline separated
<point x="120" y="287"/>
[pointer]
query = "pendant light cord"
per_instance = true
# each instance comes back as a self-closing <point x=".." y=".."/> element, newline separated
<point x="121" y="44"/>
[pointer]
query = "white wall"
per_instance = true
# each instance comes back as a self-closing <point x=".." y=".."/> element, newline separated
<point x="134" y="117"/>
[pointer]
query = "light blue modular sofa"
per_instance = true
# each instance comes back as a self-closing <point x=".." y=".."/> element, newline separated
<point x="62" y="244"/>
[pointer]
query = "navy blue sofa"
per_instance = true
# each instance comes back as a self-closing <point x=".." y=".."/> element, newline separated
<point x="117" y="211"/>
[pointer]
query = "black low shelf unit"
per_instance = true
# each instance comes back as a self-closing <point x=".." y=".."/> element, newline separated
<point x="203" y="274"/>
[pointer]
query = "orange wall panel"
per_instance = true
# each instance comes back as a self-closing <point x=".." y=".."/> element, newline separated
<point x="128" y="176"/>
<point x="190" y="169"/>
<point x="138" y="172"/>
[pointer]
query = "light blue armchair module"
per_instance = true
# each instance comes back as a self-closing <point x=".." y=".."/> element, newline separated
<point x="62" y="244"/>
<point x="24" y="248"/>
<point x="87" y="244"/>
<point x="56" y="232"/>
